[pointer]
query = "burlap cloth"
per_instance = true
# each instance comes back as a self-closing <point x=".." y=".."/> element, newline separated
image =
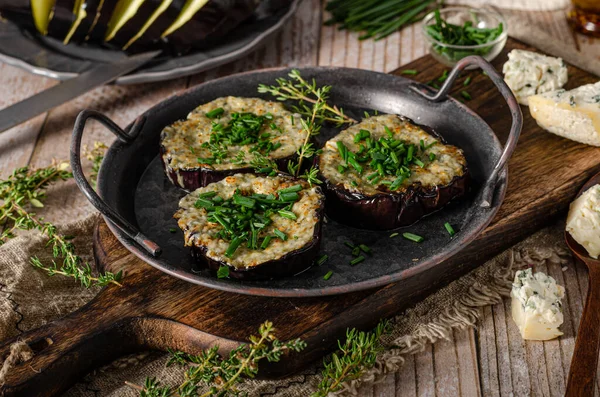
<point x="29" y="298"/>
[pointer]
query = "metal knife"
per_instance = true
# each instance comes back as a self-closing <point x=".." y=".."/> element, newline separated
<point x="72" y="88"/>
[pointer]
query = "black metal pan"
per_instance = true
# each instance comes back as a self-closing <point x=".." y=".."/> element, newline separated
<point x="138" y="201"/>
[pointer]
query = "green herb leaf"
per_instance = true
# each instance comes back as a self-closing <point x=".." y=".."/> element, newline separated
<point x="223" y="272"/>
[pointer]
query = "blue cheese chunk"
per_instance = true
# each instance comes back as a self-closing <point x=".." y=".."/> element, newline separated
<point x="528" y="74"/>
<point x="573" y="114"/>
<point x="537" y="305"/>
<point x="583" y="222"/>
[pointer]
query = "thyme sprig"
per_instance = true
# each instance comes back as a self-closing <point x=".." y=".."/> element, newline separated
<point x="25" y="189"/>
<point x="221" y="374"/>
<point x="313" y="106"/>
<point x="355" y="356"/>
<point x="298" y="89"/>
<point x="95" y="155"/>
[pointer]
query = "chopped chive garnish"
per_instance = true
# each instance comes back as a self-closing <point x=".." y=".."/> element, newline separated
<point x="172" y="230"/>
<point x="449" y="228"/>
<point x="192" y="150"/>
<point x="266" y="242"/>
<point x="289" y="196"/>
<point x="394" y="235"/>
<point x="419" y="163"/>
<point x="233" y="246"/>
<point x="409" y="71"/>
<point x="444" y="76"/>
<point x="322" y="260"/>
<point x="353" y="183"/>
<point x="431" y="156"/>
<point x="206" y="160"/>
<point x="466" y="95"/>
<point x="295" y="188"/>
<point x="328" y="275"/>
<point x="292" y="119"/>
<point x="207" y="194"/>
<point x="244" y="201"/>
<point x="365" y="249"/>
<point x="287" y="214"/>
<point x="357" y="260"/>
<point x="413" y="237"/>
<point x="349" y="244"/>
<point x="223" y="272"/>
<point x="468" y="33"/>
<point x="215" y="113"/>
<point x="341" y="169"/>
<point x="467" y="81"/>
<point x="204" y="203"/>
<point x="422" y="144"/>
<point x="356" y="251"/>
<point x="341" y="149"/>
<point x="280" y="234"/>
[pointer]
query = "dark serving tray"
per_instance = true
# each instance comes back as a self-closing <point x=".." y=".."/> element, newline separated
<point x="138" y="201"/>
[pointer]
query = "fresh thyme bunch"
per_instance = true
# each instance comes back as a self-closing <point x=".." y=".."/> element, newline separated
<point x="298" y="89"/>
<point x="356" y="354"/>
<point x="95" y="155"/>
<point x="25" y="189"/>
<point x="313" y="106"/>
<point x="222" y="374"/>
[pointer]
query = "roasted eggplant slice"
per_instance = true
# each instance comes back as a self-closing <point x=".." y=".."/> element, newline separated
<point x="387" y="172"/>
<point x="227" y="136"/>
<point x="258" y="227"/>
<point x="87" y="14"/>
<point x="202" y="21"/>
<point x="159" y="20"/>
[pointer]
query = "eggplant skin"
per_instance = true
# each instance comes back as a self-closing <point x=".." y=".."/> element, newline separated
<point x="211" y="22"/>
<point x="381" y="209"/>
<point x="192" y="179"/>
<point x="391" y="210"/>
<point x="288" y="265"/>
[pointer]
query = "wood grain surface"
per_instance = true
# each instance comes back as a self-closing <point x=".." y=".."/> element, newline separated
<point x="492" y="360"/>
<point x="156" y="311"/>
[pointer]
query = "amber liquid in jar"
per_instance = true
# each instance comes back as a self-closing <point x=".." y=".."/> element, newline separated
<point x="584" y="16"/>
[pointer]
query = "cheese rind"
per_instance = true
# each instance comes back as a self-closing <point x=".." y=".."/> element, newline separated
<point x="536" y="305"/>
<point x="573" y="114"/>
<point x="528" y="73"/>
<point x="583" y="222"/>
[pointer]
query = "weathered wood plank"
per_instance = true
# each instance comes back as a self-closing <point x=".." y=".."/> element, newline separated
<point x="17" y="143"/>
<point x="406" y="378"/>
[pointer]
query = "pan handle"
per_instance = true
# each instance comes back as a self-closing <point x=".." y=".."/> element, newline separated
<point x="126" y="137"/>
<point x="515" y="111"/>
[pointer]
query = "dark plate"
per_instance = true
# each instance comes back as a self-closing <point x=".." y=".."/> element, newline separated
<point x="50" y="58"/>
<point x="131" y="181"/>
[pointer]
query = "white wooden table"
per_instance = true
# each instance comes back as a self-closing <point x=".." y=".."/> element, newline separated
<point x="490" y="360"/>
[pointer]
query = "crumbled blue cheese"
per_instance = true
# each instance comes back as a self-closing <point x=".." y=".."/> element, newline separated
<point x="583" y="222"/>
<point x="537" y="305"/>
<point x="573" y="114"/>
<point x="528" y="73"/>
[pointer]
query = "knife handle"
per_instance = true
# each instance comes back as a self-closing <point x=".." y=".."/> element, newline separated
<point x="584" y="364"/>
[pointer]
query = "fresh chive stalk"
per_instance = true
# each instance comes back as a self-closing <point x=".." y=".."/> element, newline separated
<point x="215" y="113"/>
<point x="328" y="275"/>
<point x="322" y="260"/>
<point x="449" y="228"/>
<point x="357" y="260"/>
<point x="413" y="237"/>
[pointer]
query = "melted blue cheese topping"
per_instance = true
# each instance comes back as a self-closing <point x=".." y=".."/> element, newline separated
<point x="449" y="161"/>
<point x="198" y="231"/>
<point x="183" y="140"/>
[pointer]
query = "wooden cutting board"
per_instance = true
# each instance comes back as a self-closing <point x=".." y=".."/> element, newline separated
<point x="155" y="311"/>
